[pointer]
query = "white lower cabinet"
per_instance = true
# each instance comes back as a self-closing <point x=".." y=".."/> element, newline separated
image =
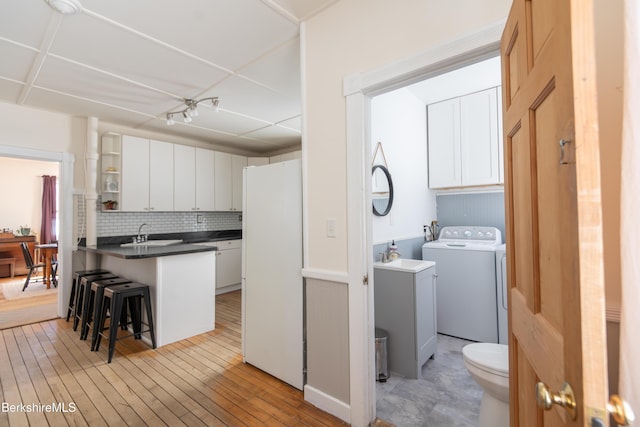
<point x="405" y="307"/>
<point x="228" y="265"/>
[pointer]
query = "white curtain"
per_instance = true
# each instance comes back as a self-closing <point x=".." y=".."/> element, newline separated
<point x="629" y="387"/>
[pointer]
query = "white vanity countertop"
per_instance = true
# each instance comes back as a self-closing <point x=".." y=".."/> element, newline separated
<point x="406" y="265"/>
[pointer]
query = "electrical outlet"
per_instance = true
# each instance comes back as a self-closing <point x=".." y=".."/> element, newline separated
<point x="199" y="219"/>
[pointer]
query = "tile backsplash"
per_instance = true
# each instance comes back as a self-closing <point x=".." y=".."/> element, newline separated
<point x="481" y="209"/>
<point x="125" y="223"/>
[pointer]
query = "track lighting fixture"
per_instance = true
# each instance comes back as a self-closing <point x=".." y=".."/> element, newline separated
<point x="191" y="109"/>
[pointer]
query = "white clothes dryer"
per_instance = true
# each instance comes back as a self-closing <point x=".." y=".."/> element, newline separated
<point x="502" y="289"/>
<point x="466" y="297"/>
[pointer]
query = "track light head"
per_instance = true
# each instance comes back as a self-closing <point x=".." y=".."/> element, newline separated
<point x="191" y="109"/>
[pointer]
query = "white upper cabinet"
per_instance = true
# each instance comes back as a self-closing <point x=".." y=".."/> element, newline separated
<point x="228" y="181"/>
<point x="160" y="176"/>
<point x="205" y="180"/>
<point x="222" y="181"/>
<point x="135" y="174"/>
<point x="238" y="163"/>
<point x="444" y="144"/>
<point x="147" y="175"/>
<point x="184" y="160"/>
<point x="194" y="178"/>
<point x="464" y="141"/>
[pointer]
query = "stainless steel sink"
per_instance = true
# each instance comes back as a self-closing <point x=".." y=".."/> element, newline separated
<point x="153" y="243"/>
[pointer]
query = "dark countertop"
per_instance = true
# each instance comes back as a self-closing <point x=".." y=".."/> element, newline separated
<point x="138" y="252"/>
<point x="111" y="245"/>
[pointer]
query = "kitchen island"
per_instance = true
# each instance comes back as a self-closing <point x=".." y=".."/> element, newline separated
<point x="181" y="279"/>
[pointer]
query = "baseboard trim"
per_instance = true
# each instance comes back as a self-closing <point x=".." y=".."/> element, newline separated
<point x="327" y="403"/>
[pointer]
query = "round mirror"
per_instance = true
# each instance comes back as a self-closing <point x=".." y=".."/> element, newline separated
<point x="381" y="190"/>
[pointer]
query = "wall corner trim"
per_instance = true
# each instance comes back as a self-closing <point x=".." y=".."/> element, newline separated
<point x="327" y="403"/>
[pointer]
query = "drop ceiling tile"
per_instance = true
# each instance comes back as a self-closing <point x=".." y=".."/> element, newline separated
<point x="10" y="91"/>
<point x="276" y="135"/>
<point x="110" y="48"/>
<point x="76" y="107"/>
<point x="25" y="21"/>
<point x="209" y="136"/>
<point x="243" y="96"/>
<point x="279" y="69"/>
<point x="205" y="28"/>
<point x="16" y="61"/>
<point x="293" y="123"/>
<point x="223" y="121"/>
<point x="69" y="78"/>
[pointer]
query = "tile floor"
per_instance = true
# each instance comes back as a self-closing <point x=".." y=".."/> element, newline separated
<point x="445" y="396"/>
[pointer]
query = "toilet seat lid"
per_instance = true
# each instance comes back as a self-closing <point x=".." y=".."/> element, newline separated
<point x="490" y="357"/>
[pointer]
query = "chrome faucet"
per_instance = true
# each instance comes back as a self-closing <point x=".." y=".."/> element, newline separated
<point x="141" y="238"/>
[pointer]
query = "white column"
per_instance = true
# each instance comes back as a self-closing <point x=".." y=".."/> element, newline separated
<point x="90" y="185"/>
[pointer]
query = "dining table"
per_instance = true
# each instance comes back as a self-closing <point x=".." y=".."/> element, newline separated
<point x="48" y="252"/>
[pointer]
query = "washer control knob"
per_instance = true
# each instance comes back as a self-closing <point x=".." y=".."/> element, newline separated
<point x="467" y="233"/>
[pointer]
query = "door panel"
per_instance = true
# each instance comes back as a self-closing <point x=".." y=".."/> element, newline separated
<point x="553" y="210"/>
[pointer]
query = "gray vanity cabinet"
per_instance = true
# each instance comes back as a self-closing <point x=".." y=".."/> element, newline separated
<point x="405" y="307"/>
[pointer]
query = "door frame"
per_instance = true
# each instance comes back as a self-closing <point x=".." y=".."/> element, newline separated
<point x="65" y="162"/>
<point x="358" y="91"/>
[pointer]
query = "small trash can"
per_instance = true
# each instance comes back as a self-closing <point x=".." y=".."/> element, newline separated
<point x="382" y="369"/>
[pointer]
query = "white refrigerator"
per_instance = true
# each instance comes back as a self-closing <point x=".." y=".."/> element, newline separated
<point x="272" y="294"/>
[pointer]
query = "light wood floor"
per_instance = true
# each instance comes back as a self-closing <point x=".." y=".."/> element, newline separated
<point x="23" y="311"/>
<point x="200" y="381"/>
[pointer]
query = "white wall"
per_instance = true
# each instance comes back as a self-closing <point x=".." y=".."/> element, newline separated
<point x="398" y="121"/>
<point x="351" y="37"/>
<point x="609" y="56"/>
<point x="355" y="36"/>
<point x="22" y="192"/>
<point x="30" y="128"/>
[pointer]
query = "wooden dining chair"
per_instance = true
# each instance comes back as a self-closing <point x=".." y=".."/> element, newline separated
<point x="28" y="261"/>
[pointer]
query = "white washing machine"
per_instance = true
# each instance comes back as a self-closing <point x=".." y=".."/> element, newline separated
<point x="501" y="287"/>
<point x="466" y="296"/>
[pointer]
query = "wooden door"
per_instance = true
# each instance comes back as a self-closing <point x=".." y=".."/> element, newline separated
<point x="553" y="226"/>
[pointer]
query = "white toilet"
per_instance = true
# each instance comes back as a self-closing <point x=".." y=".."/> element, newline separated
<point x="488" y="364"/>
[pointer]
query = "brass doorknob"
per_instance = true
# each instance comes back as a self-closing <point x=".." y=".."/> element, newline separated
<point x="545" y="398"/>
<point x="620" y="411"/>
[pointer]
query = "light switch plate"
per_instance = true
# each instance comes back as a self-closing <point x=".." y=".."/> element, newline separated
<point x="331" y="227"/>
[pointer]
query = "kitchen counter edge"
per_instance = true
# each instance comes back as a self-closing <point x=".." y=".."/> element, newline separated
<point x="139" y="252"/>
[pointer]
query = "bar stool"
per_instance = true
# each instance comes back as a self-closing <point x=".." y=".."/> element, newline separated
<point x="114" y="300"/>
<point x="76" y="279"/>
<point x="95" y="296"/>
<point x="83" y="290"/>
